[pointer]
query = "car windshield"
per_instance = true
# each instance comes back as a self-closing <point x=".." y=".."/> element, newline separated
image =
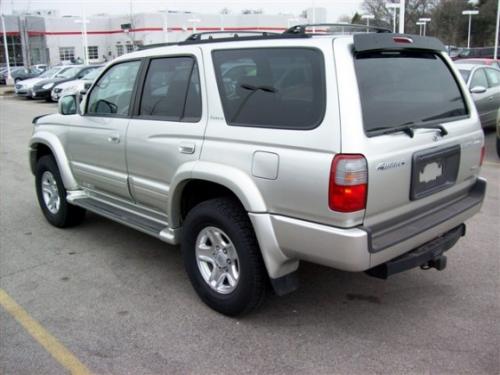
<point x="465" y="74"/>
<point x="92" y="74"/>
<point x="403" y="87"/>
<point x="50" y="73"/>
<point x="68" y="73"/>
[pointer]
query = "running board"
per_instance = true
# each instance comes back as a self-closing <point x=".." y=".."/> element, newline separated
<point x="126" y="217"/>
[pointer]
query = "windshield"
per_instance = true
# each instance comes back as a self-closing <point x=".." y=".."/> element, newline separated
<point x="68" y="73"/>
<point x="92" y="74"/>
<point x="49" y="73"/>
<point x="404" y="87"/>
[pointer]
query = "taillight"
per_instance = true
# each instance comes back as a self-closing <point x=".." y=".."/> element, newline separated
<point x="348" y="183"/>
<point x="483" y="151"/>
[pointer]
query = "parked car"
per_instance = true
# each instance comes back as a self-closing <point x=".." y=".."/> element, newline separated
<point x="360" y="152"/>
<point x="24" y="88"/>
<point x="489" y="62"/>
<point x="19" y="74"/>
<point x="77" y="85"/>
<point x="484" y="84"/>
<point x="42" y="89"/>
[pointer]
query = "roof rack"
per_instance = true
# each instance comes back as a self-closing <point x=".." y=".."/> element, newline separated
<point x="301" y="29"/>
<point x="235" y="34"/>
<point x="155" y="45"/>
<point x="196" y="38"/>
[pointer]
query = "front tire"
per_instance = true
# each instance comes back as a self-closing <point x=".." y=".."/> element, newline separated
<point x="51" y="195"/>
<point x="222" y="257"/>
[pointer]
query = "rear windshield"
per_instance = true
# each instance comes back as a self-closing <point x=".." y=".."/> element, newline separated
<point x="271" y="87"/>
<point x="399" y="88"/>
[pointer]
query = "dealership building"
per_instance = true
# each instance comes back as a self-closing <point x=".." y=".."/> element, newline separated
<point x="45" y="37"/>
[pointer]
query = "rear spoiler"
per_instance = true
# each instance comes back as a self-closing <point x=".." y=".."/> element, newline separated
<point x="385" y="41"/>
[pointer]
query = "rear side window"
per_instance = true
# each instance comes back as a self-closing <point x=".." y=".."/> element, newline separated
<point x="271" y="87"/>
<point x="172" y="90"/>
<point x="405" y="87"/>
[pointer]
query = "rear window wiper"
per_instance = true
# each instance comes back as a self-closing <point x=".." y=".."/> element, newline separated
<point x="408" y="128"/>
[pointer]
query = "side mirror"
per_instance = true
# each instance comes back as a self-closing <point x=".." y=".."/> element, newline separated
<point x="69" y="105"/>
<point x="478" y="90"/>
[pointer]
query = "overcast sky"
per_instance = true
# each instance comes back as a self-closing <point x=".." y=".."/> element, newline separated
<point x="335" y="8"/>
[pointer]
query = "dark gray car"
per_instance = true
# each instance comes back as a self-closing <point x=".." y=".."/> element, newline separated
<point x="484" y="85"/>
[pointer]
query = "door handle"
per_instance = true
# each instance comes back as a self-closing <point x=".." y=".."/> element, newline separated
<point x="187" y="148"/>
<point x="114" y="138"/>
<point x="490" y="98"/>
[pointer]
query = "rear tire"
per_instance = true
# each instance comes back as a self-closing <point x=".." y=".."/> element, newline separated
<point x="215" y="233"/>
<point x="52" y="195"/>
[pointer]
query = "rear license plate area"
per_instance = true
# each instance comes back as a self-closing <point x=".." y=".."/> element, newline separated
<point x="433" y="171"/>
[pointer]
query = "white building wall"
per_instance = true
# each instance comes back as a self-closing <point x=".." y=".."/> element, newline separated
<point x="148" y="28"/>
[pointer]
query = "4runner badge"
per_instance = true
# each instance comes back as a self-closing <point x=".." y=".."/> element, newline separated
<point x="390" y="165"/>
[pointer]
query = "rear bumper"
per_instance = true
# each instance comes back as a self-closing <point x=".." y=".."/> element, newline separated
<point x="283" y="239"/>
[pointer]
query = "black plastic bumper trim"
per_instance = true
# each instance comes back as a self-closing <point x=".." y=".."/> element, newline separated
<point x="382" y="236"/>
<point x="428" y="252"/>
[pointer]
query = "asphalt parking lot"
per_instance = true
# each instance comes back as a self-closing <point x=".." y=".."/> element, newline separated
<point x="115" y="301"/>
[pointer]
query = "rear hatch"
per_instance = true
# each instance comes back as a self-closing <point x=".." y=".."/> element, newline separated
<point x="410" y="116"/>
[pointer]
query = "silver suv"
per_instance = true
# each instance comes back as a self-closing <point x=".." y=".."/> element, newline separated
<point x="253" y="152"/>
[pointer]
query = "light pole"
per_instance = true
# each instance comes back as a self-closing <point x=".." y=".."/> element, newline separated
<point x="367" y="17"/>
<point x="194" y="21"/>
<point x="394" y="7"/>
<point x="424" y="20"/>
<point x="495" y="54"/>
<point x="470" y="13"/>
<point x="419" y="23"/>
<point x="84" y="23"/>
<point x="9" y="80"/>
<point x="402" y="16"/>
<point x="164" y="14"/>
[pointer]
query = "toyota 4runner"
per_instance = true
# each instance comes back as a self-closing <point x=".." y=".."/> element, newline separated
<point x="253" y="152"/>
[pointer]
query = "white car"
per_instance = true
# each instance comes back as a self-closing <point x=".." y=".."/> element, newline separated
<point x="25" y="87"/>
<point x="76" y="85"/>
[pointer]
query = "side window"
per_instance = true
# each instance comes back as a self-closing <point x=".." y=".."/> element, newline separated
<point x="493" y="77"/>
<point x="271" y="87"/>
<point x="479" y="79"/>
<point x="112" y="93"/>
<point x="172" y="90"/>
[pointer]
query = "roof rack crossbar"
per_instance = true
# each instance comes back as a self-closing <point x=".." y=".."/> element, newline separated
<point x="301" y="29"/>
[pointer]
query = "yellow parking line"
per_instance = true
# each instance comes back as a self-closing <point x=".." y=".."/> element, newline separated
<point x="44" y="338"/>
<point x="491" y="163"/>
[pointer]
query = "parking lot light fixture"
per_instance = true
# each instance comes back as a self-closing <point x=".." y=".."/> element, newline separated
<point x="194" y="21"/>
<point x="368" y="17"/>
<point x="420" y="24"/>
<point x="394" y="7"/>
<point x="424" y="20"/>
<point x="470" y="13"/>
